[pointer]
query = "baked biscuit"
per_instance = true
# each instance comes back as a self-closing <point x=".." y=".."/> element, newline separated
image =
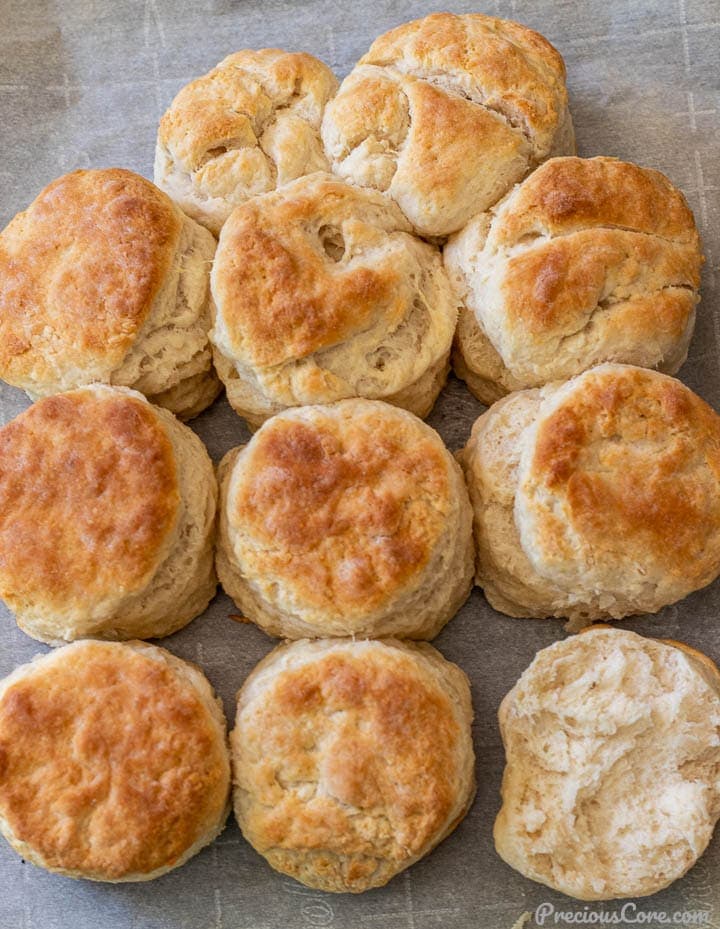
<point x="587" y="261"/>
<point x="352" y="759"/>
<point x="115" y="764"/>
<point x="104" y="280"/>
<point x="252" y="124"/>
<point x="446" y="113"/>
<point x="350" y="519"/>
<point x="611" y="786"/>
<point x="321" y="294"/>
<point x="107" y="516"/>
<point x="596" y="498"/>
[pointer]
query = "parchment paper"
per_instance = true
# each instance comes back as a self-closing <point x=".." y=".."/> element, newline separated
<point x="83" y="84"/>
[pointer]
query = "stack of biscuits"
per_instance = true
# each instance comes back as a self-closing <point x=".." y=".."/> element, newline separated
<point x="325" y="253"/>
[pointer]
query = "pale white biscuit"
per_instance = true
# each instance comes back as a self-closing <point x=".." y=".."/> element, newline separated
<point x="115" y="764"/>
<point x="103" y="279"/>
<point x="587" y="261"/>
<point x="611" y="785"/>
<point x="444" y="114"/>
<point x="352" y="759"/>
<point x="322" y="293"/>
<point x="596" y="498"/>
<point x="107" y="518"/>
<point x="248" y="126"/>
<point x="348" y="519"/>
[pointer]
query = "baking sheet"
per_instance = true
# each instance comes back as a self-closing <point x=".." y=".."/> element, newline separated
<point x="83" y="84"/>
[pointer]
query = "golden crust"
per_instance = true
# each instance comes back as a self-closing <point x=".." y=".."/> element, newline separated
<point x="567" y="194"/>
<point x="587" y="261"/>
<point x="435" y="140"/>
<point x="248" y="126"/>
<point x="623" y="468"/>
<point x="89" y="499"/>
<point x="230" y="103"/>
<point x="444" y="135"/>
<point x="279" y="296"/>
<point x="313" y="497"/>
<point x="352" y="759"/>
<point x="344" y="520"/>
<point x="113" y="762"/>
<point x="79" y="272"/>
<point x="521" y="74"/>
<point x="321" y="294"/>
<point x="597" y="498"/>
<point x="548" y="290"/>
<point x="446" y="113"/>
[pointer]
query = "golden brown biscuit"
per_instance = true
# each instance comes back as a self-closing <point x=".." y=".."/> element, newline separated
<point x="248" y="126"/>
<point x="113" y="761"/>
<point x="587" y="261"/>
<point x="349" y="519"/>
<point x="321" y="294"/>
<point x="107" y="516"/>
<point x="102" y="279"/>
<point x="611" y="785"/>
<point x="596" y="498"/>
<point x="446" y="113"/>
<point x="352" y="759"/>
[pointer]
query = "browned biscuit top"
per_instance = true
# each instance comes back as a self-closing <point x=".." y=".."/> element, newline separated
<point x="590" y="258"/>
<point x="111" y="763"/>
<point x="624" y="469"/>
<point x="566" y="194"/>
<point x="227" y="108"/>
<point x="352" y="763"/>
<point x="79" y="271"/>
<point x="89" y="499"/>
<point x="342" y="505"/>
<point x="518" y="72"/>
<point x="280" y="282"/>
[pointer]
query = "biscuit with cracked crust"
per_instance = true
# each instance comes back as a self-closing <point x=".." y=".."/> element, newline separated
<point x="444" y="114"/>
<point x="352" y="759"/>
<point x="587" y="261"/>
<point x="322" y="293"/>
<point x="248" y="126"/>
